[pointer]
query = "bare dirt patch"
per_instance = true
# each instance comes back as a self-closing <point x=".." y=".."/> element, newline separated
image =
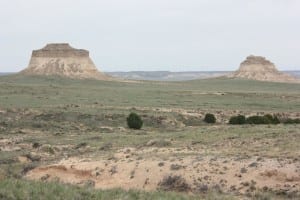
<point x="129" y="171"/>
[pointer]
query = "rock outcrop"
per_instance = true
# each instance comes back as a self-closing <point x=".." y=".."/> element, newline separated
<point x="261" y="69"/>
<point x="63" y="60"/>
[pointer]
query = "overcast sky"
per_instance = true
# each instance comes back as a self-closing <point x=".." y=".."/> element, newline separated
<point x="175" y="35"/>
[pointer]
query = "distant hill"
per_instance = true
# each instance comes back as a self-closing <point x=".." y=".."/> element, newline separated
<point x="261" y="69"/>
<point x="172" y="76"/>
<point x="167" y="75"/>
<point x="294" y="73"/>
<point x="5" y="73"/>
<point x="177" y="76"/>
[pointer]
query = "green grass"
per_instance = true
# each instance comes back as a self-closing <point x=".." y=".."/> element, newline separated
<point x="16" y="189"/>
<point x="13" y="189"/>
<point x="65" y="113"/>
<point x="52" y="92"/>
<point x="279" y="141"/>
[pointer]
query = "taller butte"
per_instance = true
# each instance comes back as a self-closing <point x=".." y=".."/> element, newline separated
<point x="63" y="60"/>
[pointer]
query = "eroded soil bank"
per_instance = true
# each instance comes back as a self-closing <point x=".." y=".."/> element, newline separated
<point x="137" y="168"/>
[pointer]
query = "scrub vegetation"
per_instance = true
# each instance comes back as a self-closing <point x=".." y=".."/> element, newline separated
<point x="70" y="139"/>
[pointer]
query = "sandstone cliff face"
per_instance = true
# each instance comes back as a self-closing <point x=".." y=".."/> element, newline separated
<point x="63" y="60"/>
<point x="259" y="68"/>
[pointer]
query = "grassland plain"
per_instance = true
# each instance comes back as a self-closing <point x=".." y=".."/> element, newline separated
<point x="59" y="131"/>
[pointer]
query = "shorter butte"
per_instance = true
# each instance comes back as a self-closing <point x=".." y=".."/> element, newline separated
<point x="261" y="69"/>
<point x="63" y="60"/>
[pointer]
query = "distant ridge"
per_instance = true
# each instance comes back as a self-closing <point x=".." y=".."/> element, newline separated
<point x="167" y="75"/>
<point x="171" y="76"/>
<point x="6" y="73"/>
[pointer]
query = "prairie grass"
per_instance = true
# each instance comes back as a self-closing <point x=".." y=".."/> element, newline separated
<point x="87" y="118"/>
<point x="13" y="189"/>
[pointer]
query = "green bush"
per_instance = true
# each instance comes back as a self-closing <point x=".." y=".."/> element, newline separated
<point x="258" y="120"/>
<point x="266" y="119"/>
<point x="272" y="119"/>
<point x="239" y="119"/>
<point x="210" y="118"/>
<point x="291" y="121"/>
<point x="276" y="120"/>
<point x="255" y="119"/>
<point x="134" y="121"/>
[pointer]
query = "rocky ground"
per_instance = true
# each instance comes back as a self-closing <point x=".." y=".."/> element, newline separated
<point x="127" y="169"/>
<point x="196" y="161"/>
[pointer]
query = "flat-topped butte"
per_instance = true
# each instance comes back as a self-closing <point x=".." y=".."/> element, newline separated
<point x="60" y="59"/>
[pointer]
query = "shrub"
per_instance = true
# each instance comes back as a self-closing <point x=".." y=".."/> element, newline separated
<point x="81" y="145"/>
<point x="176" y="167"/>
<point x="266" y="119"/>
<point x="134" y="121"/>
<point x="239" y="119"/>
<point x="276" y="120"/>
<point x="269" y="117"/>
<point x="210" y="118"/>
<point x="36" y="145"/>
<point x="174" y="183"/>
<point x="272" y="119"/>
<point x="291" y="121"/>
<point x="258" y="120"/>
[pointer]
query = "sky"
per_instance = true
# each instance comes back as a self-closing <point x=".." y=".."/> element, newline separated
<point x="151" y="35"/>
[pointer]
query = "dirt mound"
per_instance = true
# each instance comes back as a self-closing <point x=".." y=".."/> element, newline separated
<point x="63" y="60"/>
<point x="261" y="69"/>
